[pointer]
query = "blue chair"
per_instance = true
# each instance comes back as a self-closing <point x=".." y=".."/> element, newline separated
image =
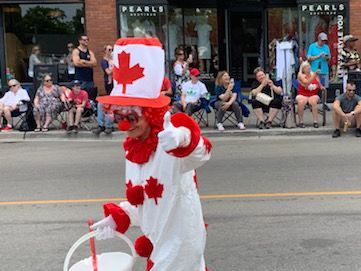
<point x="229" y="115"/>
<point x="201" y="112"/>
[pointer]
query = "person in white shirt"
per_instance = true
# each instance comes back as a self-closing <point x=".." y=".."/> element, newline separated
<point x="192" y="91"/>
<point x="12" y="101"/>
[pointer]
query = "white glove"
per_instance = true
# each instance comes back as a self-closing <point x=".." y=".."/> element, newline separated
<point x="171" y="137"/>
<point x="104" y="228"/>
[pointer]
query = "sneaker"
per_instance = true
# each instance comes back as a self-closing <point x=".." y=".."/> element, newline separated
<point x="69" y="129"/>
<point x="108" y="131"/>
<point x="220" y="127"/>
<point x="268" y="125"/>
<point x="358" y="132"/>
<point x="76" y="129"/>
<point x="315" y="125"/>
<point x="98" y="130"/>
<point x="7" y="128"/>
<point x="261" y="125"/>
<point x="336" y="133"/>
<point x="301" y="125"/>
<point x="241" y="126"/>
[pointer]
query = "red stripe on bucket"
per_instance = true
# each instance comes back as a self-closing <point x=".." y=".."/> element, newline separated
<point x="92" y="247"/>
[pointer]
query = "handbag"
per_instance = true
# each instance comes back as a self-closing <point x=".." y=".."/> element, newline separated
<point x="264" y="98"/>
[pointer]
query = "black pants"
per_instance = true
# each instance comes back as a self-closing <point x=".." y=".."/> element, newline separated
<point x="234" y="107"/>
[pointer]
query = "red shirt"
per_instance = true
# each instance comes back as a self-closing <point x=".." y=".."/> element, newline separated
<point x="166" y="84"/>
<point x="80" y="97"/>
<point x="312" y="89"/>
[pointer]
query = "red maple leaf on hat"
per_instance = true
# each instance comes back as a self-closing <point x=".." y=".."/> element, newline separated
<point x="153" y="189"/>
<point x="125" y="74"/>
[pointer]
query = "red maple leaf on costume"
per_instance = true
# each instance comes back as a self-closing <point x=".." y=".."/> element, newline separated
<point x="153" y="189"/>
<point x="125" y="74"/>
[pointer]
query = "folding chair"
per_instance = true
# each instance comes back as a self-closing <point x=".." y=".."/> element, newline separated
<point x="229" y="115"/>
<point x="201" y="112"/>
<point x="17" y="116"/>
<point x="89" y="121"/>
<point x="322" y="101"/>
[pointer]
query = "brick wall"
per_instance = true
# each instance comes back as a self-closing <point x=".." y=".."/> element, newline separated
<point x="355" y="25"/>
<point x="101" y="28"/>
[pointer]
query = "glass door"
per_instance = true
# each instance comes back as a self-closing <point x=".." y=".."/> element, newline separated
<point x="245" y="44"/>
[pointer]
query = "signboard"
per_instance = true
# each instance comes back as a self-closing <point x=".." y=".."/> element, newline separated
<point x="41" y="69"/>
<point x="141" y="10"/>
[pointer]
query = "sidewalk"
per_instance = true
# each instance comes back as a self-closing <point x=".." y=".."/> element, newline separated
<point x="251" y="131"/>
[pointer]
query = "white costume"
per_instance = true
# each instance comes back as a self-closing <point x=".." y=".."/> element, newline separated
<point x="160" y="170"/>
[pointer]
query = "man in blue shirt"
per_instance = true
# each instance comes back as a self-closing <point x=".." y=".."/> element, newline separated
<point x="318" y="55"/>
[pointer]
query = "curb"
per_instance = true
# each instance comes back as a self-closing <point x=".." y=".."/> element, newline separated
<point x="85" y="135"/>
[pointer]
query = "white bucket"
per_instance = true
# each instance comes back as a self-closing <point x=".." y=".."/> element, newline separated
<point x="111" y="261"/>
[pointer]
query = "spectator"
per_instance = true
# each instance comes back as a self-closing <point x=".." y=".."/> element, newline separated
<point x="181" y="70"/>
<point x="107" y="67"/>
<point x="347" y="107"/>
<point x="308" y="87"/>
<point x="80" y="106"/>
<point x="47" y="103"/>
<point x="318" y="55"/>
<point x="350" y="57"/>
<point x="167" y="87"/>
<point x="33" y="60"/>
<point x="12" y="102"/>
<point x="84" y="61"/>
<point x="105" y="123"/>
<point x="265" y="85"/>
<point x="226" y="100"/>
<point x="69" y="62"/>
<point x="192" y="91"/>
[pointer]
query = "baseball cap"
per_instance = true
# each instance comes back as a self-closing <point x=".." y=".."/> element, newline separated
<point x="349" y="38"/>
<point x="195" y="72"/>
<point x="322" y="36"/>
<point x="75" y="83"/>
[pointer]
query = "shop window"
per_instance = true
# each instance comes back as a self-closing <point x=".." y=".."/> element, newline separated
<point x="49" y="27"/>
<point x="329" y="18"/>
<point x="201" y="39"/>
<point x="282" y="26"/>
<point x="143" y="21"/>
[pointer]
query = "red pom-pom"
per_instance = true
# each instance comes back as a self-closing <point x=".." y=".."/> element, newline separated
<point x="143" y="246"/>
<point x="135" y="194"/>
<point x="120" y="217"/>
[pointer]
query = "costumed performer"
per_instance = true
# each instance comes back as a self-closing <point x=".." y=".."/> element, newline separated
<point x="162" y="153"/>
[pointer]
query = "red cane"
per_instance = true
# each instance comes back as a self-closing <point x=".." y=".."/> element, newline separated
<point x="92" y="247"/>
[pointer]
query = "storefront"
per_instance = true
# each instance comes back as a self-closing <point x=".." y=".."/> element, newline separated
<point x="234" y="35"/>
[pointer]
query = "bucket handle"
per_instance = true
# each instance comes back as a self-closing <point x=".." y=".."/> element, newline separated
<point x="89" y="235"/>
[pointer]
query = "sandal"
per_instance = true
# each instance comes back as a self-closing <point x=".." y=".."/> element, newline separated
<point x="45" y="129"/>
<point x="37" y="130"/>
<point x="315" y="125"/>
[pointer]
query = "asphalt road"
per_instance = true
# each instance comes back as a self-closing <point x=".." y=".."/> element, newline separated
<point x="250" y="227"/>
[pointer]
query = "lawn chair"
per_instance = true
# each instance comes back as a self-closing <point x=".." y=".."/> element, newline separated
<point x="322" y="101"/>
<point x="202" y="111"/>
<point x="229" y="115"/>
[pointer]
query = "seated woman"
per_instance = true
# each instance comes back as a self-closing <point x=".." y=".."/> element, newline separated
<point x="12" y="102"/>
<point x="80" y="106"/>
<point x="308" y="87"/>
<point x="47" y="103"/>
<point x="226" y="100"/>
<point x="265" y="85"/>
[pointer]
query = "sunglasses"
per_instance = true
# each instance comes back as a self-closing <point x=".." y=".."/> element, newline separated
<point x="11" y="86"/>
<point x="85" y="39"/>
<point x="49" y="80"/>
<point x="132" y="118"/>
<point x="110" y="49"/>
<point x="70" y="47"/>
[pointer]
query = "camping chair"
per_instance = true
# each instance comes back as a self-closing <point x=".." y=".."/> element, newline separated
<point x="17" y="116"/>
<point x="201" y="112"/>
<point x="322" y="101"/>
<point x="89" y="121"/>
<point x="229" y="115"/>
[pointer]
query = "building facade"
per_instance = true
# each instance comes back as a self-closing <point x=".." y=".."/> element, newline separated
<point x="236" y="35"/>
